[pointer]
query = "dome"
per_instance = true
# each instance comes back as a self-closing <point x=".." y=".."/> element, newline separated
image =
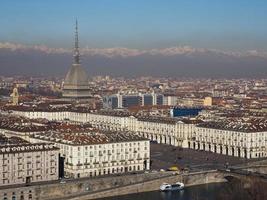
<point x="76" y="84"/>
<point x="76" y="76"/>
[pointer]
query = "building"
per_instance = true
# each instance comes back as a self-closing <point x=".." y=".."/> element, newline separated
<point x="76" y="84"/>
<point x="245" y="138"/>
<point x="94" y="153"/>
<point x="130" y="150"/>
<point x="165" y="130"/>
<point x="110" y="102"/>
<point x="11" y="125"/>
<point x="127" y="101"/>
<point x="170" y="100"/>
<point x="219" y="92"/>
<point x="190" y="102"/>
<point x="172" y="131"/>
<point x="22" y="162"/>
<point x="132" y="100"/>
<point x="240" y="136"/>
<point x="184" y="111"/>
<point x="207" y="101"/>
<point x="15" y="96"/>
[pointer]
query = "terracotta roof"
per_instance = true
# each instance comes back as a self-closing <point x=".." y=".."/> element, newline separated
<point x="248" y="125"/>
<point x="88" y="137"/>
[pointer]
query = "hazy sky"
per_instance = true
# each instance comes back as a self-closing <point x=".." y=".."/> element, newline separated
<point x="193" y="38"/>
<point x="142" y="24"/>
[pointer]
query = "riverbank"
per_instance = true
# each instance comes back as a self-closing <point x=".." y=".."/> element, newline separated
<point x="192" y="179"/>
<point x="100" y="187"/>
<point x="212" y="191"/>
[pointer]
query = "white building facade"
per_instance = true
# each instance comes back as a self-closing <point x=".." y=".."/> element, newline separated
<point x="183" y="133"/>
<point x="161" y="129"/>
<point x="95" y="159"/>
<point x="245" y="144"/>
<point x="27" y="163"/>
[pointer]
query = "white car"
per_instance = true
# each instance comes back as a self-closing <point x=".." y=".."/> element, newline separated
<point x="62" y="181"/>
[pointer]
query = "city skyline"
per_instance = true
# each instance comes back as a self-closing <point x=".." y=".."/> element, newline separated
<point x="131" y="100"/>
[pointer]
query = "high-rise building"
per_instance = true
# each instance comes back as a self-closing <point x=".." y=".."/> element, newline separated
<point x="131" y="100"/>
<point x="76" y="84"/>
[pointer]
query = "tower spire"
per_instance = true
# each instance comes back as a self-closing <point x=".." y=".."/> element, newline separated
<point x="76" y="47"/>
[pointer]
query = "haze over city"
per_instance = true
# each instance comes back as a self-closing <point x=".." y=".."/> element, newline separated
<point x="133" y="100"/>
<point x="132" y="38"/>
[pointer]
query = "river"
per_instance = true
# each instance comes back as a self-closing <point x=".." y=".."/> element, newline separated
<point x="215" y="191"/>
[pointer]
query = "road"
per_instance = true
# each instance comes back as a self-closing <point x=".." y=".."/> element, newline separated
<point x="165" y="156"/>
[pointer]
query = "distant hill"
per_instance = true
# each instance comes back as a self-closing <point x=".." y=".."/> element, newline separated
<point x="173" y="62"/>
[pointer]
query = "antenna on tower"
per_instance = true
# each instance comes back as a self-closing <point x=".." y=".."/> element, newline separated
<point x="76" y="47"/>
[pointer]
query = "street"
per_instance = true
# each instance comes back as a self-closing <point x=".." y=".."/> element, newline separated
<point x="165" y="156"/>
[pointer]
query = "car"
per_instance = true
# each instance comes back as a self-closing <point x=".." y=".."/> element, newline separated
<point x="176" y="173"/>
<point x="186" y="169"/>
<point x="62" y="181"/>
<point x="173" y="168"/>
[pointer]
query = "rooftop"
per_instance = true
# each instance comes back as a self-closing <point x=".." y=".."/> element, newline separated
<point x="17" y="144"/>
<point x="22" y="124"/>
<point x="169" y="120"/>
<point x="247" y="125"/>
<point x="154" y="119"/>
<point x="11" y="140"/>
<point x="88" y="138"/>
<point x="15" y="148"/>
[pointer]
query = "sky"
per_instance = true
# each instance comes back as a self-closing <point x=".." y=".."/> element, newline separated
<point x="227" y="24"/>
<point x="130" y="37"/>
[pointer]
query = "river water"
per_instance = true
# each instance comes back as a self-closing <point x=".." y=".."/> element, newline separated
<point x="215" y="191"/>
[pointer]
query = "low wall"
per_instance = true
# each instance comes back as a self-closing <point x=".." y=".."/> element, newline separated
<point x="49" y="191"/>
<point x="257" y="169"/>
<point x="189" y="180"/>
<point x="91" y="188"/>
